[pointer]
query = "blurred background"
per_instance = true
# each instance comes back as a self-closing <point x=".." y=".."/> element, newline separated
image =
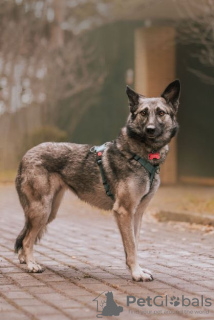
<point x="64" y="65"/>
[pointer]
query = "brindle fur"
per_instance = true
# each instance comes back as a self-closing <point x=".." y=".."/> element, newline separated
<point x="48" y="169"/>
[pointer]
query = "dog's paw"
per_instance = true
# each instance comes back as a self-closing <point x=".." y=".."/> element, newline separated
<point x="140" y="274"/>
<point x="21" y="257"/>
<point x="22" y="260"/>
<point x="34" y="267"/>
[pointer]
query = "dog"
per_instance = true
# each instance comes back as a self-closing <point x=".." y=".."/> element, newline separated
<point x="47" y="170"/>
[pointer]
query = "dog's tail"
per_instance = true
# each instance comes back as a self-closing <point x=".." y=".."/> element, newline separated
<point x="19" y="240"/>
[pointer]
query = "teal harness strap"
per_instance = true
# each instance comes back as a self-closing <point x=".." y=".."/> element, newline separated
<point x="99" y="152"/>
<point x="106" y="186"/>
<point x="148" y="166"/>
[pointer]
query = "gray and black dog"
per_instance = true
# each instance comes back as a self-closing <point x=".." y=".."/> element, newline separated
<point x="48" y="169"/>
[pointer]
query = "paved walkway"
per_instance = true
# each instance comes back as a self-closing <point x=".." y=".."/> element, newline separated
<point x="83" y="257"/>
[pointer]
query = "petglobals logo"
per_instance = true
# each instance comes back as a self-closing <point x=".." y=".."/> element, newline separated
<point x="106" y="306"/>
<point x="164" y="301"/>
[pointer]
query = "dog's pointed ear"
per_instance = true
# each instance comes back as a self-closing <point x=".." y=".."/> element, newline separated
<point x="133" y="99"/>
<point x="172" y="93"/>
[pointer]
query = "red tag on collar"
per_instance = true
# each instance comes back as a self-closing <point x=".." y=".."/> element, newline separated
<point x="154" y="156"/>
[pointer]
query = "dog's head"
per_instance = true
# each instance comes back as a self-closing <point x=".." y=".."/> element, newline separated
<point x="153" y="120"/>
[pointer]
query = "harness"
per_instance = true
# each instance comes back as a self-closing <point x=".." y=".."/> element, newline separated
<point x="151" y="169"/>
<point x="99" y="152"/>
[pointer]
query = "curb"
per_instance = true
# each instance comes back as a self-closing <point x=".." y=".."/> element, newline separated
<point x="204" y="219"/>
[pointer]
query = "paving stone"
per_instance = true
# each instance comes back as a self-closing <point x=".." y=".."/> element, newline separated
<point x="5" y="306"/>
<point x="40" y="309"/>
<point x="18" y="295"/>
<point x="17" y="315"/>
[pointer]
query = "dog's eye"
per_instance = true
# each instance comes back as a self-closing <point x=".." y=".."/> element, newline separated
<point x="143" y="113"/>
<point x="161" y="113"/>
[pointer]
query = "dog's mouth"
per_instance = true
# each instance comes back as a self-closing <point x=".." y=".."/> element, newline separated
<point x="151" y="136"/>
<point x="154" y="135"/>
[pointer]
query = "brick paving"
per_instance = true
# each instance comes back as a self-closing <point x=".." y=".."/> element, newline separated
<point x="83" y="256"/>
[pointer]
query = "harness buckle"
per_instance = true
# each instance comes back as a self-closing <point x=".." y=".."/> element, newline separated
<point x="92" y="149"/>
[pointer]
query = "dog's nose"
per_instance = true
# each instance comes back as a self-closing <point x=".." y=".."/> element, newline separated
<point x="150" y="129"/>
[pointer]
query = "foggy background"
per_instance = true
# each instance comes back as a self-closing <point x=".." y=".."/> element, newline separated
<point x="64" y="65"/>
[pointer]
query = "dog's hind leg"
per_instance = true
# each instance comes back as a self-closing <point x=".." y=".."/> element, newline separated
<point x="36" y="219"/>
<point x="38" y="214"/>
<point x="56" y="203"/>
<point x="57" y="198"/>
<point x="36" y="194"/>
<point x="54" y="209"/>
<point x="21" y="256"/>
<point x="18" y="244"/>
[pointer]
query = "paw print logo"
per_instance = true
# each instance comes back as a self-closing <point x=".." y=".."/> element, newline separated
<point x="175" y="301"/>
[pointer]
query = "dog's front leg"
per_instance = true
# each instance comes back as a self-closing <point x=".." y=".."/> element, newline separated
<point x="139" y="214"/>
<point x="125" y="223"/>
